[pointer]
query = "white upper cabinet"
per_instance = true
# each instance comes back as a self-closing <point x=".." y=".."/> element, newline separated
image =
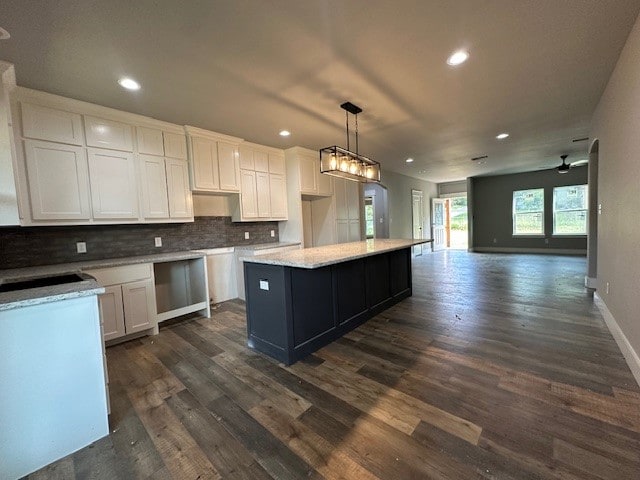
<point x="276" y="164"/>
<point x="261" y="161"/>
<point x="325" y="182"/>
<point x="263" y="194"/>
<point x="175" y="145"/>
<point x="58" y="181"/>
<point x="44" y="123"/>
<point x="308" y="175"/>
<point x="278" y="190"/>
<point x="249" y="195"/>
<point x="154" y="187"/>
<point x="150" y="141"/>
<point x="246" y="158"/>
<point x="204" y="157"/>
<point x="180" y="199"/>
<point x="108" y="134"/>
<point x="228" y="165"/>
<point x="114" y="186"/>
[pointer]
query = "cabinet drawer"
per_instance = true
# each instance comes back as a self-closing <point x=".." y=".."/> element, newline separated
<point x="45" y="123"/>
<point x="122" y="274"/>
<point x="108" y="134"/>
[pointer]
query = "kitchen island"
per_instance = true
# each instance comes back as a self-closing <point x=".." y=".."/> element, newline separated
<point x="299" y="301"/>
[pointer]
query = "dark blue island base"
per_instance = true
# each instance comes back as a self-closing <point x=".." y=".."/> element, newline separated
<point x="292" y="312"/>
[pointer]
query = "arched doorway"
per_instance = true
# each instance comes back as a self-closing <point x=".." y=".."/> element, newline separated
<point x="591" y="279"/>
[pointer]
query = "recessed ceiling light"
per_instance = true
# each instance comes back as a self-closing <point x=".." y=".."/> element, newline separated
<point x="4" y="35"/>
<point x="502" y="136"/>
<point x="409" y="160"/>
<point x="284" y="133"/>
<point x="129" y="83"/>
<point x="458" y="58"/>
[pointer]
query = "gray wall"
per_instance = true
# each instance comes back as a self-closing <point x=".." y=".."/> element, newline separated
<point x="399" y="196"/>
<point x="616" y="125"/>
<point x="492" y="209"/>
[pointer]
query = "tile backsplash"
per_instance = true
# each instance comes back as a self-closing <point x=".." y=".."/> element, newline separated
<point x="31" y="246"/>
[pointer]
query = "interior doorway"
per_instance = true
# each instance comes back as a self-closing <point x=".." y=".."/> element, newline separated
<point x="417" y="219"/>
<point x="457" y="222"/>
<point x="369" y="217"/>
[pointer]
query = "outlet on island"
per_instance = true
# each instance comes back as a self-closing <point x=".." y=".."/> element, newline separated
<point x="246" y="235"/>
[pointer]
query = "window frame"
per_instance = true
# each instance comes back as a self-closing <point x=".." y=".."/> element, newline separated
<point x="540" y="234"/>
<point x="585" y="210"/>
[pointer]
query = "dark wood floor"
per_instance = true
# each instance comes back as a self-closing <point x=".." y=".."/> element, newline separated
<point x="498" y="367"/>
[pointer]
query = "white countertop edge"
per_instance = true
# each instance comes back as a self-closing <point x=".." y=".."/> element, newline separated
<point x="55" y="293"/>
<point x="288" y="259"/>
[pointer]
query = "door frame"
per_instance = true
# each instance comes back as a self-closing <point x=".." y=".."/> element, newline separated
<point x="436" y="246"/>
<point x="417" y="194"/>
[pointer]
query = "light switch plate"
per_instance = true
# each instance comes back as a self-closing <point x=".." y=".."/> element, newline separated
<point x="158" y="241"/>
<point x="81" y="247"/>
<point x="264" y="285"/>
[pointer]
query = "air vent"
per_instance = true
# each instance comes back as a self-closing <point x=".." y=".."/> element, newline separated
<point x="576" y="140"/>
<point x="481" y="157"/>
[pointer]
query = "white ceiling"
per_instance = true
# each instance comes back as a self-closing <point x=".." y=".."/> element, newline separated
<point x="250" y="68"/>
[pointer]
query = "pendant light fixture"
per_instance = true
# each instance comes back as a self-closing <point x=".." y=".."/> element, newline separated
<point x="344" y="163"/>
<point x="564" y="168"/>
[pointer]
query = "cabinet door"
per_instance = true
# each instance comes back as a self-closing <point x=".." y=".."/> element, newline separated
<point x="108" y="134"/>
<point x="353" y="200"/>
<point x="278" y="191"/>
<point x="246" y="158"/>
<point x="180" y="198"/>
<point x="205" y="164"/>
<point x="354" y="231"/>
<point x="229" y="167"/>
<point x="114" y="192"/>
<point x="175" y="145"/>
<point x="139" y="306"/>
<point x="248" y="194"/>
<point x="276" y="164"/>
<point x="308" y="175"/>
<point x="342" y="212"/>
<point x="263" y="195"/>
<point x="58" y="181"/>
<point x="342" y="230"/>
<point x="154" y="187"/>
<point x="325" y="184"/>
<point x="46" y="123"/>
<point x="261" y="161"/>
<point x="150" y="141"/>
<point x="111" y="312"/>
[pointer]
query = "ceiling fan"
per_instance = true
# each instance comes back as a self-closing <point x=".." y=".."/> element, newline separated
<point x="564" y="167"/>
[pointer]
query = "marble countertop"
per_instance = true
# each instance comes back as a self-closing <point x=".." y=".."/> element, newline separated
<point x="331" y="254"/>
<point x="88" y="286"/>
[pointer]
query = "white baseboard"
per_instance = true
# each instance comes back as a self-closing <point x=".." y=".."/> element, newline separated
<point x="548" y="251"/>
<point x="630" y="355"/>
<point x="590" y="282"/>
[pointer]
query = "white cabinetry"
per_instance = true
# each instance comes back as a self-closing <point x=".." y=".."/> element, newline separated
<point x="44" y="123"/>
<point x="105" y="133"/>
<point x="214" y="162"/>
<point x="263" y="193"/>
<point x="58" y="181"/>
<point x="347" y="208"/>
<point x="128" y="304"/>
<point x="78" y="163"/>
<point x="312" y="182"/>
<point x="114" y="185"/>
<point x="9" y="213"/>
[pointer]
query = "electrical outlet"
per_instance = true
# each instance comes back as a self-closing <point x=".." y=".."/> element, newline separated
<point x="81" y="247"/>
<point x="599" y="209"/>
<point x="546" y="240"/>
<point x="495" y="240"/>
<point x="158" y="241"/>
<point x="273" y="233"/>
<point x="246" y="235"/>
<point x="607" y="288"/>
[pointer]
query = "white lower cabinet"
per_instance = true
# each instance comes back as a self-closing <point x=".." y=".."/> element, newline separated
<point x="128" y="304"/>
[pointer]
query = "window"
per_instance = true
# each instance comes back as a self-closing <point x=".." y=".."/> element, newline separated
<point x="528" y="212"/>
<point x="570" y="210"/>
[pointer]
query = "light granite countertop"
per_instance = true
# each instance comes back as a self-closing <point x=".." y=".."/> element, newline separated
<point x="331" y="254"/>
<point x="264" y="246"/>
<point x="88" y="286"/>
